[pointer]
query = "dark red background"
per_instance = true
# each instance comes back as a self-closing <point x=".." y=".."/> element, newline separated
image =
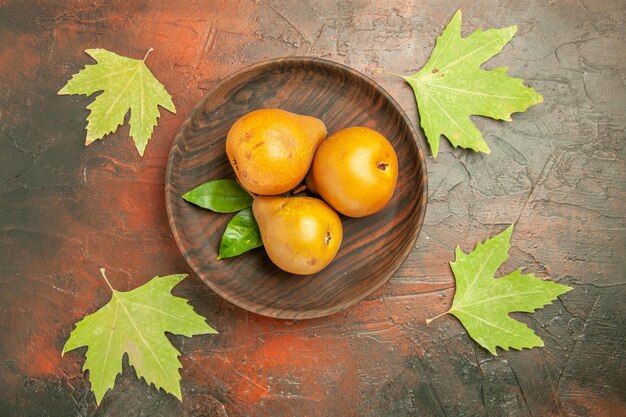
<point x="558" y="171"/>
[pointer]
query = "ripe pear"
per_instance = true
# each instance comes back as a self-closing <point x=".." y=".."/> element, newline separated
<point x="301" y="235"/>
<point x="355" y="170"/>
<point x="271" y="150"/>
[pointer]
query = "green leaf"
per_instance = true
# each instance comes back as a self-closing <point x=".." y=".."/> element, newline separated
<point x="222" y="196"/>
<point x="241" y="235"/>
<point x="483" y="303"/>
<point x="135" y="323"/>
<point x="452" y="86"/>
<point x="128" y="84"/>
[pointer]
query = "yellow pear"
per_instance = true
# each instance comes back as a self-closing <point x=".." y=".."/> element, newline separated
<point x="271" y="150"/>
<point x="355" y="170"/>
<point x="301" y="235"/>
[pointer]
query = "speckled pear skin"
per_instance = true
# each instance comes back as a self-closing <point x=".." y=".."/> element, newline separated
<point x="271" y="150"/>
<point x="301" y="235"/>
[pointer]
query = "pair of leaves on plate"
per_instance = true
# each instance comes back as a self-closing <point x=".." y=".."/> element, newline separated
<point x="448" y="89"/>
<point x="226" y="196"/>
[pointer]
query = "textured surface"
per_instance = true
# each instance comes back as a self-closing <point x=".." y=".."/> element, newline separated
<point x="558" y="170"/>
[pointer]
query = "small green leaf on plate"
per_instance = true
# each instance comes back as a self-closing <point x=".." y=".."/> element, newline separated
<point x="241" y="235"/>
<point x="222" y="196"/>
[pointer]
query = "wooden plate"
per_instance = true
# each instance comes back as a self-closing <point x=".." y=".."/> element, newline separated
<point x="373" y="247"/>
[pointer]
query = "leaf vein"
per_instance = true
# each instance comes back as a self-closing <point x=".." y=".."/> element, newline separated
<point x="120" y="95"/>
<point x="161" y="311"/>
<point x="475" y="93"/>
<point x="108" y="349"/>
<point x="489" y="323"/>
<point x="145" y="342"/>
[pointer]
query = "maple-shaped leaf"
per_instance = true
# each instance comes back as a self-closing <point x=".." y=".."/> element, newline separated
<point x="135" y="323"/>
<point x="128" y="84"/>
<point x="452" y="86"/>
<point x="483" y="303"/>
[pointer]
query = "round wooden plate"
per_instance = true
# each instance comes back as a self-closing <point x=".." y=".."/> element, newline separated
<point x="373" y="247"/>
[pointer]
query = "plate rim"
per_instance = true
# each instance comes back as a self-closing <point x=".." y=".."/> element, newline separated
<point x="292" y="314"/>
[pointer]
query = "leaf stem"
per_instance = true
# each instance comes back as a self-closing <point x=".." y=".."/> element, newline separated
<point x="105" y="278"/>
<point x="147" y="53"/>
<point x="393" y="73"/>
<point x="437" y="316"/>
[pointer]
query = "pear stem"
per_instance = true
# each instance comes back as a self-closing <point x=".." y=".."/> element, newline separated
<point x="299" y="189"/>
<point x="436" y="317"/>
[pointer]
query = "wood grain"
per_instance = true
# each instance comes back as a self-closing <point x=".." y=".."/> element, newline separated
<point x="373" y="247"/>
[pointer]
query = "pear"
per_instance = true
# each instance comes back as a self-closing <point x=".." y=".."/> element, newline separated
<point x="355" y="170"/>
<point x="301" y="235"/>
<point x="271" y="150"/>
